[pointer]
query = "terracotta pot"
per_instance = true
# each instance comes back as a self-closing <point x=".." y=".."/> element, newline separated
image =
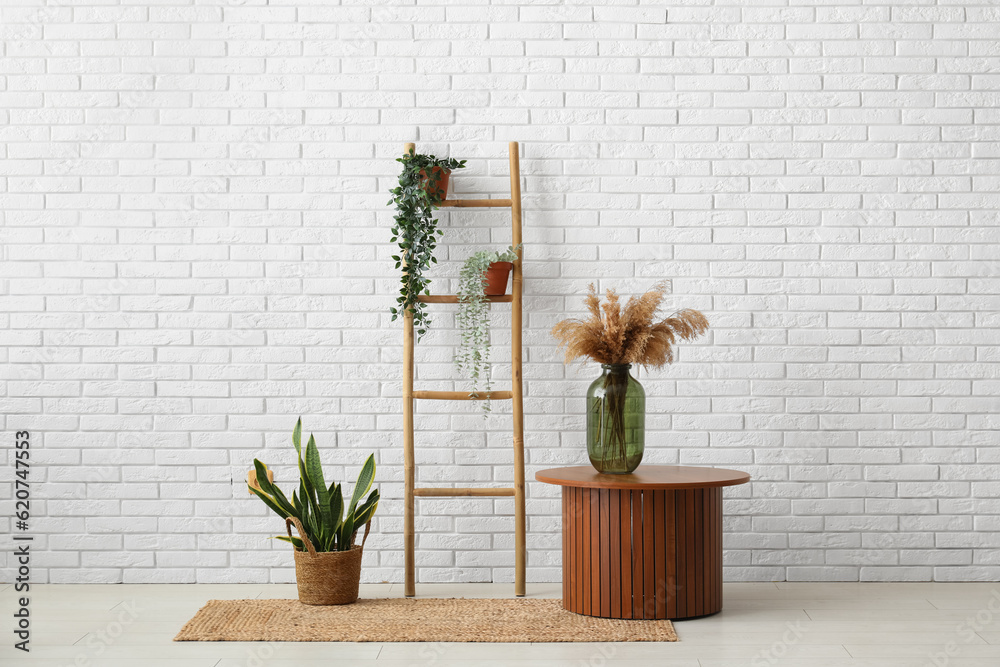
<point x="496" y="278"/>
<point x="441" y="191"/>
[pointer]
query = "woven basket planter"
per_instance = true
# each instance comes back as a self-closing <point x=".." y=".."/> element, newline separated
<point x="330" y="577"/>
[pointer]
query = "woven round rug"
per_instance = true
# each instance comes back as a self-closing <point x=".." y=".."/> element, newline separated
<point x="413" y="620"/>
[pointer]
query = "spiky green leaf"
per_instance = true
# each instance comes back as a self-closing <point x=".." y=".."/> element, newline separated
<point x="280" y="498"/>
<point x="315" y="469"/>
<point x="277" y="509"/>
<point x="346" y="532"/>
<point x="367" y="509"/>
<point x="262" y="481"/>
<point x="307" y="489"/>
<point x="305" y="502"/>
<point x="299" y="544"/>
<point x="297" y="437"/>
<point x="336" y="507"/>
<point x="364" y="482"/>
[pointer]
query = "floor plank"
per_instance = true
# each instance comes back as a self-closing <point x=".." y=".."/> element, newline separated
<point x="778" y="624"/>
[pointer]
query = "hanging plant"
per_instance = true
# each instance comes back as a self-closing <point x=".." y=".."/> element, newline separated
<point x="423" y="183"/>
<point x="473" y="357"/>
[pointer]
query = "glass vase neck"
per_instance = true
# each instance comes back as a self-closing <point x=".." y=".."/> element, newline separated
<point x="616" y="368"/>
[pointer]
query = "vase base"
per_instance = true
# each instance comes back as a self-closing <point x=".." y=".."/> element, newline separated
<point x="617" y="469"/>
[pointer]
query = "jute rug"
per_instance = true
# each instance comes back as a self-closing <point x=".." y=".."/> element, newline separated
<point x="413" y="620"/>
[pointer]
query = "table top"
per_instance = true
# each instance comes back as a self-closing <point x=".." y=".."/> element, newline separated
<point x="646" y="477"/>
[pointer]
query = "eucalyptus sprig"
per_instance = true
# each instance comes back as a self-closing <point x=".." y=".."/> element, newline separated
<point x="415" y="229"/>
<point x="473" y="356"/>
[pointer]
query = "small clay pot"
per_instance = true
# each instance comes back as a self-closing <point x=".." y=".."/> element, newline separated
<point x="496" y="278"/>
<point x="441" y="191"/>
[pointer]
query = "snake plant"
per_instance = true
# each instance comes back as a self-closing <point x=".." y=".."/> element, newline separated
<point x="329" y="525"/>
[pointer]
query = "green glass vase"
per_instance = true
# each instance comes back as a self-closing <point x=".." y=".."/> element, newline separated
<point x="616" y="420"/>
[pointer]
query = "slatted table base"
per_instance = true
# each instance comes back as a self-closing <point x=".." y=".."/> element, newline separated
<point x="642" y="554"/>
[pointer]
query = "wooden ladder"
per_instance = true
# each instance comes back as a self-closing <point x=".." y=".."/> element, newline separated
<point x="409" y="395"/>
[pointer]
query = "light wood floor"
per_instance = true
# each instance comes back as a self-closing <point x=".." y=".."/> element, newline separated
<point x="800" y="624"/>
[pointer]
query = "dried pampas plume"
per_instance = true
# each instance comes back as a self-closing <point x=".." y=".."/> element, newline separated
<point x="613" y="334"/>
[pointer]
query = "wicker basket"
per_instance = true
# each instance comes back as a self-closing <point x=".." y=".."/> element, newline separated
<point x="327" y="578"/>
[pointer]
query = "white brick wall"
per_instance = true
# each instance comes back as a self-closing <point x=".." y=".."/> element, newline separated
<point x="195" y="252"/>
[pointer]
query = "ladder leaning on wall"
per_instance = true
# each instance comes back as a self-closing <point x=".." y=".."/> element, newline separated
<point x="515" y="395"/>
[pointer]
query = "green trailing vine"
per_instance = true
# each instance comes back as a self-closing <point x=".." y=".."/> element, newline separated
<point x="415" y="229"/>
<point x="473" y="356"/>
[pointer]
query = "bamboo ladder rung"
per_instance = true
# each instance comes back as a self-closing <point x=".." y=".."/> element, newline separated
<point x="453" y="298"/>
<point x="428" y="492"/>
<point x="463" y="395"/>
<point x="476" y="203"/>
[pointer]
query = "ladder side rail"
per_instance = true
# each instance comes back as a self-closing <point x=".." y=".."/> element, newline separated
<point x="520" y="547"/>
<point x="409" y="473"/>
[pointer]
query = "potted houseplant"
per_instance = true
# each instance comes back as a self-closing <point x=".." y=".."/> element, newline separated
<point x="617" y="337"/>
<point x="423" y="184"/>
<point x="483" y="274"/>
<point x="327" y="560"/>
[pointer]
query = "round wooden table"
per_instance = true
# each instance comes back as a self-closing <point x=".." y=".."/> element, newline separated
<point x="645" y="545"/>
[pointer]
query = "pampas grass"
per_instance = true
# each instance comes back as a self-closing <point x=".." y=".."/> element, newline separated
<point x="617" y="335"/>
<point x="613" y="334"/>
